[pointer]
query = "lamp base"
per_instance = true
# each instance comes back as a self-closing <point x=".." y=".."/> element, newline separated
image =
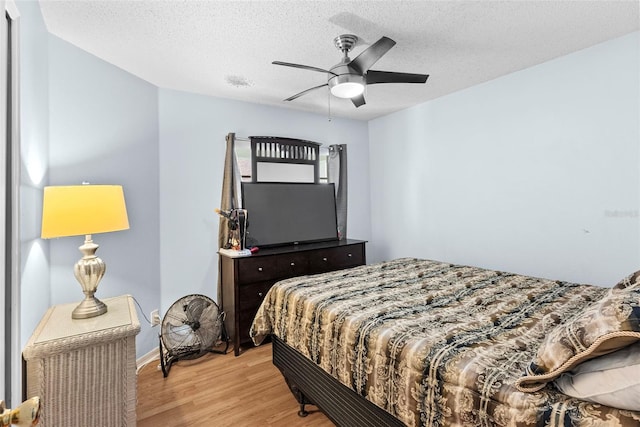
<point x="89" y="307"/>
<point x="88" y="271"/>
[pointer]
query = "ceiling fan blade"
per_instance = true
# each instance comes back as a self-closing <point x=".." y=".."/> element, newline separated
<point x="370" y="55"/>
<point x="374" y="77"/>
<point x="297" y="95"/>
<point x="358" y="100"/>
<point x="304" y="67"/>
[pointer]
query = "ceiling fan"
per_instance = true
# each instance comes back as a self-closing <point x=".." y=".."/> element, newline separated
<point x="348" y="78"/>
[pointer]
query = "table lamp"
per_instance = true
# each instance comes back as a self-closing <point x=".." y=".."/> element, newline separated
<point x="84" y="210"/>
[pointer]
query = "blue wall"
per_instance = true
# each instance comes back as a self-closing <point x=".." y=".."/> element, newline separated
<point x="104" y="130"/>
<point x="535" y="172"/>
<point x="35" y="283"/>
<point x="84" y="119"/>
<point x="192" y="147"/>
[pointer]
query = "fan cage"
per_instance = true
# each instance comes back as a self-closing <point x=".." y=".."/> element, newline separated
<point x="191" y="327"/>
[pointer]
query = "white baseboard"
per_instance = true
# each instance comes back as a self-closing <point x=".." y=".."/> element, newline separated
<point x="147" y="358"/>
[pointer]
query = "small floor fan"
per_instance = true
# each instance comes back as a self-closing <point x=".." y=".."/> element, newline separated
<point x="191" y="327"/>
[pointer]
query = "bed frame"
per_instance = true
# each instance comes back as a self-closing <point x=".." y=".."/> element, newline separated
<point x="310" y="384"/>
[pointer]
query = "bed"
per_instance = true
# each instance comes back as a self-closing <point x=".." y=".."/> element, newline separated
<point x="424" y="343"/>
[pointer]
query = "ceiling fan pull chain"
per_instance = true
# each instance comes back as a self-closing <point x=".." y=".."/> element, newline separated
<point x="329" y="104"/>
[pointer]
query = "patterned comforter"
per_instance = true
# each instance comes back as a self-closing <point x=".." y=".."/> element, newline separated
<point x="434" y="344"/>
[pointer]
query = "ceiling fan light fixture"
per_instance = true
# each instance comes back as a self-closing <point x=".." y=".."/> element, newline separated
<point x="347" y="86"/>
<point x="347" y="90"/>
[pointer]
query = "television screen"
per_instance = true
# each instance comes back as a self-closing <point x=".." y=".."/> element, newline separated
<point x="289" y="213"/>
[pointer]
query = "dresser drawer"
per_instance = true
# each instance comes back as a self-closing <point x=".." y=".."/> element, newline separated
<point x="336" y="258"/>
<point x="251" y="296"/>
<point x="249" y="299"/>
<point x="257" y="269"/>
<point x="292" y="265"/>
<point x="272" y="268"/>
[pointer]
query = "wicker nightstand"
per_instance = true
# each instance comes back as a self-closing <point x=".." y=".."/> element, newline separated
<point x="84" y="370"/>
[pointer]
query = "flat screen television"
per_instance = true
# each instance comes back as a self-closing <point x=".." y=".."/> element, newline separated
<point x="289" y="213"/>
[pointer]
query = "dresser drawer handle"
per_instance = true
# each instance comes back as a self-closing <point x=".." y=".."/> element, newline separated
<point x="349" y="255"/>
<point x="260" y="294"/>
<point x="324" y="259"/>
<point x="293" y="264"/>
<point x="259" y="268"/>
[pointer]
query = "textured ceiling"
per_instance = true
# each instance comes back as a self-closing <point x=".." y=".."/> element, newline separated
<point x="225" y="48"/>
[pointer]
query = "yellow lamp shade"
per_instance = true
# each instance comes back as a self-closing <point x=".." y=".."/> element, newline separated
<point x="83" y="209"/>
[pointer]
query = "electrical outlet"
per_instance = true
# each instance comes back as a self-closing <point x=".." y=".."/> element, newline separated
<point x="155" y="317"/>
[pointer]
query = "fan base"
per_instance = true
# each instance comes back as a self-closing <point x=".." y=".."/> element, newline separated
<point x="166" y="361"/>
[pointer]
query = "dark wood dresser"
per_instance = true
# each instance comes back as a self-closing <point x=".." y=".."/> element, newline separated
<point x="246" y="280"/>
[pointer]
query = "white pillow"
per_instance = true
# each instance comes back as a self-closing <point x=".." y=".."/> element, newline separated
<point x="611" y="380"/>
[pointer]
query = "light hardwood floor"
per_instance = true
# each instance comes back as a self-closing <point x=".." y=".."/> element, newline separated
<point x="221" y="390"/>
